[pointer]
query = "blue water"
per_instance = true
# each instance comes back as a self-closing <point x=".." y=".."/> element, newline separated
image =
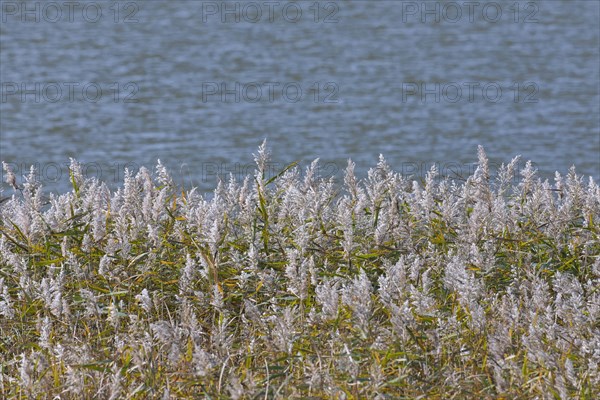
<point x="375" y="78"/>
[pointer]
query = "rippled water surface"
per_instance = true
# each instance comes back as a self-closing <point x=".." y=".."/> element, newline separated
<point x="374" y="78"/>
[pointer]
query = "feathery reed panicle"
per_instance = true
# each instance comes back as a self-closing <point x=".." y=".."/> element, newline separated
<point x="294" y="285"/>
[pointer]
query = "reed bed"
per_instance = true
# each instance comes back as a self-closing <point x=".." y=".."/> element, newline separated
<point x="299" y="287"/>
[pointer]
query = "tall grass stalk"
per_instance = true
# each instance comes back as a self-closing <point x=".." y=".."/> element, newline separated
<point x="297" y="287"/>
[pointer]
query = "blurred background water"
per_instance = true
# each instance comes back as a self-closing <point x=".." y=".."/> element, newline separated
<point x="200" y="84"/>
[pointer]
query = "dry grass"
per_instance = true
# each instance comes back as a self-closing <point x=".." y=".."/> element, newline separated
<point x="296" y="287"/>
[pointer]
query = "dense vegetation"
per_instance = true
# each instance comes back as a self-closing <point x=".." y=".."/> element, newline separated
<point x="297" y="287"/>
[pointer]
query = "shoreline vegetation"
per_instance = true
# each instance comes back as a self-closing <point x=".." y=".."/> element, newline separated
<point x="295" y="287"/>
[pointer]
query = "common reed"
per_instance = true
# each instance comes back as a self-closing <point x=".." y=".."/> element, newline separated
<point x="300" y="287"/>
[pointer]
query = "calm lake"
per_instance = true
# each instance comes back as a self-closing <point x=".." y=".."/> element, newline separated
<point x="200" y="84"/>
